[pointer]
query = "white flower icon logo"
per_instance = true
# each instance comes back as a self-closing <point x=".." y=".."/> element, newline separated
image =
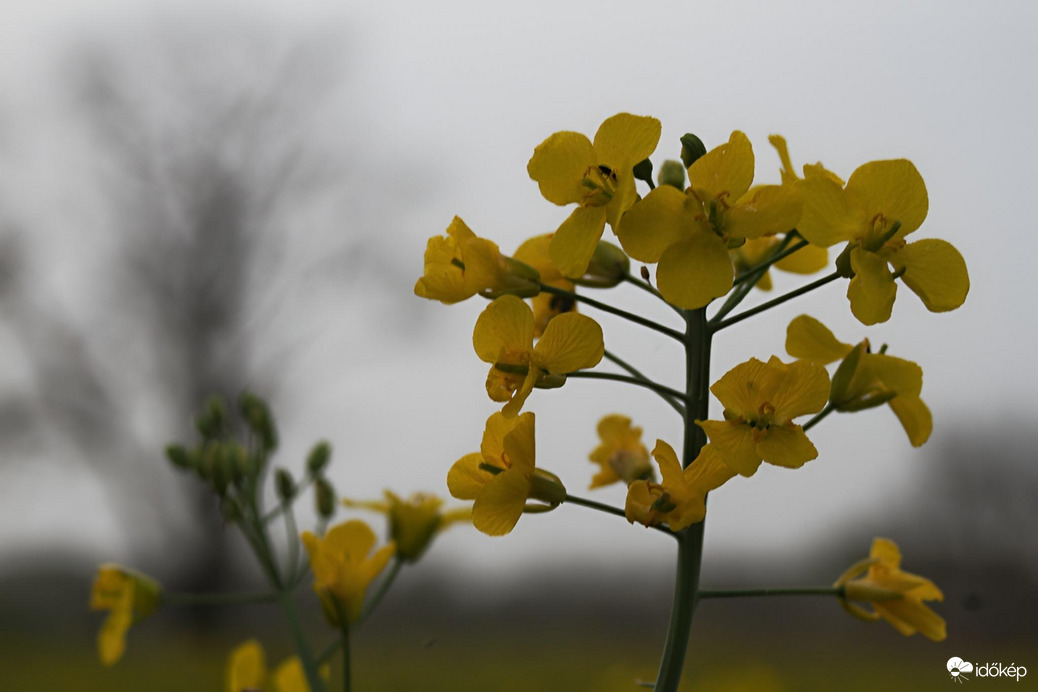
<point x="957" y="667"/>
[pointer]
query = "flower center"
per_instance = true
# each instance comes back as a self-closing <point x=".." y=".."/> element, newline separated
<point x="601" y="183"/>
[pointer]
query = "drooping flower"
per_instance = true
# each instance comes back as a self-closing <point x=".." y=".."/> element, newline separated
<point x="894" y="595"/>
<point x="343" y="566"/>
<point x="503" y="337"/>
<point x="247" y="672"/>
<point x="597" y="176"/>
<point x="680" y="500"/>
<point x="689" y="233"/>
<point x="760" y="402"/>
<point x="414" y="522"/>
<point x="129" y="596"/>
<point x="460" y="264"/>
<point x="881" y="204"/>
<point x="502" y="476"/>
<point x="864" y="379"/>
<point x="621" y="454"/>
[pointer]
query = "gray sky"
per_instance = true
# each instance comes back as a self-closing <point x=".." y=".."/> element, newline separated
<point x="455" y="96"/>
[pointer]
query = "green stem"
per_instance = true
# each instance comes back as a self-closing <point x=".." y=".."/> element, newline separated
<point x="383" y="589"/>
<point x="306" y="657"/>
<point x="292" y="534"/>
<point x="766" y="264"/>
<point x="217" y="599"/>
<point x="690" y="541"/>
<point x="829" y="408"/>
<point x="347" y="672"/>
<point x="274" y="513"/>
<point x="674" y="402"/>
<point x="798" y="591"/>
<point x="747" y="281"/>
<point x="609" y="509"/>
<point x="630" y="316"/>
<point x="718" y="326"/>
<point x="640" y="381"/>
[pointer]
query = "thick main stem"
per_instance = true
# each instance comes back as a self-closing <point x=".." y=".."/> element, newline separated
<point x="690" y="541"/>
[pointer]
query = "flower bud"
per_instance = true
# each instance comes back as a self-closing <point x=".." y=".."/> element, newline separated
<point x="672" y="173"/>
<point x="519" y="279"/>
<point x="608" y="267"/>
<point x="324" y="498"/>
<point x="546" y="487"/>
<point x="257" y="416"/>
<point x="839" y="390"/>
<point x="643" y="171"/>
<point x="285" y="486"/>
<point x="178" y="456"/>
<point x="319" y="457"/>
<point x="550" y="381"/>
<point x="692" y="148"/>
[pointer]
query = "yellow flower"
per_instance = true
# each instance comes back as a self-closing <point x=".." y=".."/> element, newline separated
<point x="415" y="521"/>
<point x="895" y="596"/>
<point x="503" y="337"/>
<point x="807" y="260"/>
<point x="864" y="379"/>
<point x="597" y="176"/>
<point x="247" y="672"/>
<point x="534" y="252"/>
<point x="128" y="596"/>
<point x="689" y="233"/>
<point x="760" y="402"/>
<point x="882" y="202"/>
<point x="501" y="477"/>
<point x="460" y="265"/>
<point x="621" y="455"/>
<point x="343" y="568"/>
<point x="680" y="500"/>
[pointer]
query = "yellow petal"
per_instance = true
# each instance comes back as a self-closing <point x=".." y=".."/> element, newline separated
<point x="786" y="445"/>
<point x="442" y="280"/>
<point x="638" y="507"/>
<point x="872" y="290"/>
<point x="809" y="339"/>
<point x="745" y="387"/>
<point x="894" y="374"/>
<point x="571" y="342"/>
<point x="504" y="325"/>
<point x="534" y="252"/>
<point x="724" y="169"/>
<point x="352" y="538"/>
<point x="708" y="471"/>
<point x="493" y="446"/>
<point x="694" y="271"/>
<point x="624" y="140"/>
<point x="735" y="445"/>
<point x="559" y="164"/>
<point x="829" y="214"/>
<point x="915" y="418"/>
<point x="111" y="639"/>
<point x="499" y="506"/>
<point x="766" y="210"/>
<point x="789" y="175"/>
<point x="886" y="551"/>
<point x="624" y="197"/>
<point x="512" y="408"/>
<point x="574" y="243"/>
<point x="909" y="616"/>
<point x="654" y="224"/>
<point x="670" y="467"/>
<point x="247" y="667"/>
<point x="936" y="272"/>
<point x="807" y="260"/>
<point x="892" y="188"/>
<point x="803" y="388"/>
<point x="519" y="443"/>
<point x="465" y="480"/>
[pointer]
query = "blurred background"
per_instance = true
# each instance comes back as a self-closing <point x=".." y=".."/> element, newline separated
<point x="208" y="197"/>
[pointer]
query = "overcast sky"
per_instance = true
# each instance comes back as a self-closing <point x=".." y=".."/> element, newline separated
<point x="454" y="96"/>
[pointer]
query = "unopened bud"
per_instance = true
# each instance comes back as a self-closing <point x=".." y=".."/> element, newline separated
<point x="257" y="416"/>
<point x="520" y="279"/>
<point x="319" y="458"/>
<point x="221" y="469"/>
<point x="843" y="262"/>
<point x="692" y="148"/>
<point x="608" y="267"/>
<point x="840" y="390"/>
<point x="546" y="487"/>
<point x="550" y="381"/>
<point x="672" y="173"/>
<point x="178" y="456"/>
<point x="324" y="498"/>
<point x="643" y="171"/>
<point x="284" y="485"/>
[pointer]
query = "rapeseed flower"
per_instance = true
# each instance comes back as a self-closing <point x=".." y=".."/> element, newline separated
<point x="895" y="596"/>
<point x="597" y="176"/>
<point x="621" y="454"/>
<point x="760" y="402"/>
<point x="864" y="379"/>
<point x="680" y="499"/>
<point x="128" y="596"/>
<point x="690" y="233"/>
<point x="414" y="522"/>
<point x="247" y="672"/>
<point x="503" y="337"/>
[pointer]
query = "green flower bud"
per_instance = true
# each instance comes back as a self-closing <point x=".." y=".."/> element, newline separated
<point x="692" y="148"/>
<point x="839" y="390"/>
<point x="843" y="262"/>
<point x="546" y="487"/>
<point x="178" y="456"/>
<point x="324" y="498"/>
<point x="319" y="457"/>
<point x="643" y="171"/>
<point x="520" y="280"/>
<point x="221" y="469"/>
<point x="608" y="267"/>
<point x="550" y="381"/>
<point x="259" y="419"/>
<point x="672" y="173"/>
<point x="284" y="485"/>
